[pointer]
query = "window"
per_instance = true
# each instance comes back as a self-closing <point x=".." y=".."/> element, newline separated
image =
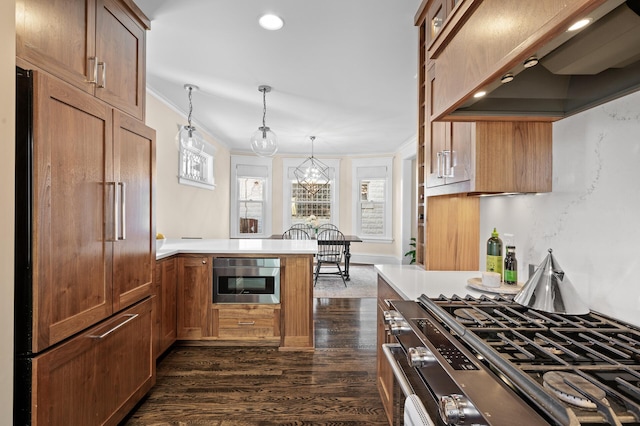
<point x="372" y="197"/>
<point x="196" y="166"/>
<point x="299" y="204"/>
<point x="250" y="197"/>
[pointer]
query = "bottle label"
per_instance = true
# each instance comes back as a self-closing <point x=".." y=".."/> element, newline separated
<point x="511" y="277"/>
<point x="494" y="264"/>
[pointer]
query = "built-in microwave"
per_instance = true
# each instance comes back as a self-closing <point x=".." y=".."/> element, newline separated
<point x="246" y="280"/>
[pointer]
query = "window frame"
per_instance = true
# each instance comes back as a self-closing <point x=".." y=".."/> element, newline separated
<point x="292" y="163"/>
<point x="387" y="163"/>
<point x="244" y="160"/>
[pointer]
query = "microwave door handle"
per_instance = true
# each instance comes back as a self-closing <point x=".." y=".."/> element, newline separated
<point x="397" y="371"/>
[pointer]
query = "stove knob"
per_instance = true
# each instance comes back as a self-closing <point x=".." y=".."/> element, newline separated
<point x="419" y="356"/>
<point x="392" y="315"/>
<point x="452" y="409"/>
<point x="399" y="327"/>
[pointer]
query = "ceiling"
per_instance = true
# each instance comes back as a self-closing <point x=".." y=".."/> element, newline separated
<point x="341" y="70"/>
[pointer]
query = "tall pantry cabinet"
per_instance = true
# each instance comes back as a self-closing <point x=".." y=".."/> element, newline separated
<point x="84" y="346"/>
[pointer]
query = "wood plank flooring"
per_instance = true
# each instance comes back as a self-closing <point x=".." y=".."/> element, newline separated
<point x="334" y="385"/>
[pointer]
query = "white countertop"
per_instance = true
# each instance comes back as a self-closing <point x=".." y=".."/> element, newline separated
<point x="236" y="246"/>
<point x="411" y="281"/>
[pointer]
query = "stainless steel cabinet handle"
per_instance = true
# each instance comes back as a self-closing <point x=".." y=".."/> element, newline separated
<point x="115" y="211"/>
<point x="130" y="317"/>
<point x="92" y="68"/>
<point x="123" y="210"/>
<point x="103" y="83"/>
<point x="439" y="158"/>
<point x="246" y="323"/>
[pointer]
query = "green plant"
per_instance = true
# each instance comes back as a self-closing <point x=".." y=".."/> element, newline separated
<point x="412" y="252"/>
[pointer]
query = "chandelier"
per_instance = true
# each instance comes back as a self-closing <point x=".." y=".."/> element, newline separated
<point x="188" y="136"/>
<point x="264" y="141"/>
<point x="312" y="174"/>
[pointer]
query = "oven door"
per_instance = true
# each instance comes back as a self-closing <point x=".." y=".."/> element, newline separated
<point x="411" y="398"/>
<point x="246" y="280"/>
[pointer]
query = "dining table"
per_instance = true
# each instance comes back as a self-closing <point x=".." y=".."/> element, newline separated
<point x="348" y="239"/>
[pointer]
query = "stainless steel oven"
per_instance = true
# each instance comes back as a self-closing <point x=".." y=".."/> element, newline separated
<point x="246" y="280"/>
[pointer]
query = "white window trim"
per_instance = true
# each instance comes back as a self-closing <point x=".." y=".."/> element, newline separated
<point x="288" y="163"/>
<point x="386" y="162"/>
<point x="236" y="160"/>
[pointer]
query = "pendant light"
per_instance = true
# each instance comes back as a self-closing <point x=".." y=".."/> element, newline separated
<point x="188" y="136"/>
<point x="312" y="174"/>
<point x="264" y="141"/>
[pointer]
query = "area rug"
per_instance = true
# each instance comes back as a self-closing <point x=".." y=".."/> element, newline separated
<point x="363" y="283"/>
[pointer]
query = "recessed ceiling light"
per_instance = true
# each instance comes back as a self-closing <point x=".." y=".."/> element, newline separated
<point x="271" y="22"/>
<point x="580" y="24"/>
<point x="507" y="78"/>
<point x="531" y="61"/>
<point x="479" y="94"/>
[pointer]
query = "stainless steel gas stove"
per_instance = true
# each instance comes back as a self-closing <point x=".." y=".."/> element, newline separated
<point x="491" y="361"/>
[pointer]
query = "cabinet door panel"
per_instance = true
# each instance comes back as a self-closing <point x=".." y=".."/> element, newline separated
<point x="120" y="47"/>
<point x="96" y="377"/>
<point x="168" y="304"/>
<point x="458" y="162"/>
<point x="72" y="259"/>
<point x="194" y="296"/>
<point x="134" y="151"/>
<point x="57" y="35"/>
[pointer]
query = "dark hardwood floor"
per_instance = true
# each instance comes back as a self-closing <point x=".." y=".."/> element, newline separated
<point x="334" y="385"/>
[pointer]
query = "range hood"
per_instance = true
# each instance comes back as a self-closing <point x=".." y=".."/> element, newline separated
<point x="575" y="72"/>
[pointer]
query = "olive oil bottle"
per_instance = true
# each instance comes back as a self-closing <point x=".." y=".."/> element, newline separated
<point x="494" y="253"/>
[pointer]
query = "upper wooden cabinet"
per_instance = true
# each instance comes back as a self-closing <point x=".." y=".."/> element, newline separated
<point x="92" y="173"/>
<point x="95" y="45"/>
<point x="479" y="42"/>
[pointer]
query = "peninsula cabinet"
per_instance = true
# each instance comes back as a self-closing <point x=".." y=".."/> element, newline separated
<point x="95" y="45"/>
<point x="287" y="325"/>
<point x="98" y="376"/>
<point x="165" y="307"/>
<point x="92" y="219"/>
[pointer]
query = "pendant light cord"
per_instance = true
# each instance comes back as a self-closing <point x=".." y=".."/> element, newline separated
<point x="264" y="107"/>
<point x="190" y="107"/>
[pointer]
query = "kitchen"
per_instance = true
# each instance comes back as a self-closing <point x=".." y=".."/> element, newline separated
<point x="593" y="185"/>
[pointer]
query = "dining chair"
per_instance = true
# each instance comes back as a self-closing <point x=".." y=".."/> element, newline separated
<point x="327" y="226"/>
<point x="295" y="234"/>
<point x="330" y="249"/>
<point x="299" y="226"/>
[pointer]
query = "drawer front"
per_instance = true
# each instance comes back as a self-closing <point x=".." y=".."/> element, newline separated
<point x="248" y="322"/>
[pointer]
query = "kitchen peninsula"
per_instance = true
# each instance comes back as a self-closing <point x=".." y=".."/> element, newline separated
<point x="184" y="282"/>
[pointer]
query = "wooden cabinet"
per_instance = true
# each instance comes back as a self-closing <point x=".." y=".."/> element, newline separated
<point x="453" y="233"/>
<point x="95" y="45"/>
<point x="288" y="325"/>
<point x="165" y="321"/>
<point x="385" y="377"/>
<point x="247" y="322"/>
<point x="133" y="175"/>
<point x="94" y="253"/>
<point x="194" y="296"/>
<point x="99" y="375"/>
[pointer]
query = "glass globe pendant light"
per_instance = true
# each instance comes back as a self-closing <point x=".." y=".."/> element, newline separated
<point x="188" y="136"/>
<point x="264" y="142"/>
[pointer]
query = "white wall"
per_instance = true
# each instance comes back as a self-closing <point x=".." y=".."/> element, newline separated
<point x="182" y="210"/>
<point x="7" y="171"/>
<point x="590" y="220"/>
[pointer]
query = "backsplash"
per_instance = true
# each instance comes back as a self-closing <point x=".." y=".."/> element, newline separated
<point x="591" y="219"/>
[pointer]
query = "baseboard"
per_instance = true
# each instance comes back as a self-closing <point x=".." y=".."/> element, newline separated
<point x="367" y="259"/>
